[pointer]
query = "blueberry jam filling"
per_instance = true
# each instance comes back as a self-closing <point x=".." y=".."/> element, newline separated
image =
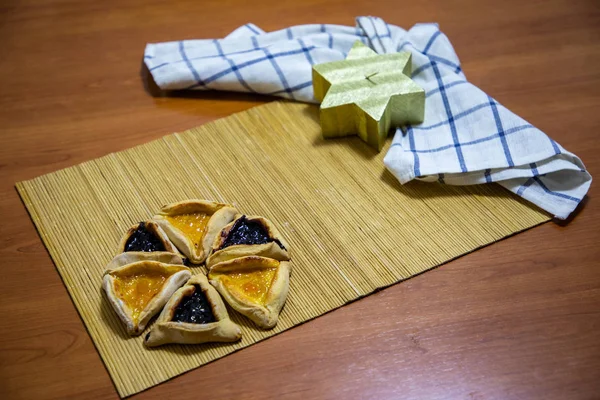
<point x="143" y="240"/>
<point x="194" y="309"/>
<point x="245" y="231"/>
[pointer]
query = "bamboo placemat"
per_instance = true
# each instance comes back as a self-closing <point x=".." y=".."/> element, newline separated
<point x="351" y="226"/>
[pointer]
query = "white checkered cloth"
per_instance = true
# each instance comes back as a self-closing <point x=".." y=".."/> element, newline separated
<point x="467" y="137"/>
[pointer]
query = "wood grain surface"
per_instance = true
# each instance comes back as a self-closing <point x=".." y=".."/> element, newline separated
<point x="519" y="319"/>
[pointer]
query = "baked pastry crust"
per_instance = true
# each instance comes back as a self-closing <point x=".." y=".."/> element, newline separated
<point x="165" y="330"/>
<point x="218" y="214"/>
<point x="175" y="275"/>
<point x="263" y="312"/>
<point x="276" y="247"/>
<point x="154" y="229"/>
<point x="131" y="257"/>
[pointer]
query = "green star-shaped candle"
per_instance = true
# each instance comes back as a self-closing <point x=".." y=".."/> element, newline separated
<point x="367" y="94"/>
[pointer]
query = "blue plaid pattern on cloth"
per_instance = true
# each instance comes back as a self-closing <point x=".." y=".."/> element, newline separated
<point x="467" y="137"/>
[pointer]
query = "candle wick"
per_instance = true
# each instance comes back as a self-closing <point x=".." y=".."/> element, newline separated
<point x="367" y="77"/>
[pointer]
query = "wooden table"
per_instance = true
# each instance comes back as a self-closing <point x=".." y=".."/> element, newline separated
<point x="519" y="319"/>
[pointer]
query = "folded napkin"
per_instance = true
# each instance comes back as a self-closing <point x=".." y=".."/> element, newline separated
<point x="467" y="137"/>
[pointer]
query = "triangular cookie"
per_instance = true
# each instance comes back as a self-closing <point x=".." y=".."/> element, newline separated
<point x="248" y="236"/>
<point x="139" y="290"/>
<point x="194" y="314"/>
<point x="193" y="224"/>
<point x="145" y="236"/>
<point x="254" y="286"/>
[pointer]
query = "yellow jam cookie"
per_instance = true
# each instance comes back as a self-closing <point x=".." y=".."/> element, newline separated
<point x="138" y="290"/>
<point x="254" y="286"/>
<point x="192" y="225"/>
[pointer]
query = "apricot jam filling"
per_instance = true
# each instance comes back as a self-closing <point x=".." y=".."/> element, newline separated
<point x="252" y="285"/>
<point x="192" y="225"/>
<point x="137" y="288"/>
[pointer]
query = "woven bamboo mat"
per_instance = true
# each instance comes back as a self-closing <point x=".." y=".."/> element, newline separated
<point x="351" y="227"/>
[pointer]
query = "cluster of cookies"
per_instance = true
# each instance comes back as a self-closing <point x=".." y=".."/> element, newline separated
<point x="247" y="263"/>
